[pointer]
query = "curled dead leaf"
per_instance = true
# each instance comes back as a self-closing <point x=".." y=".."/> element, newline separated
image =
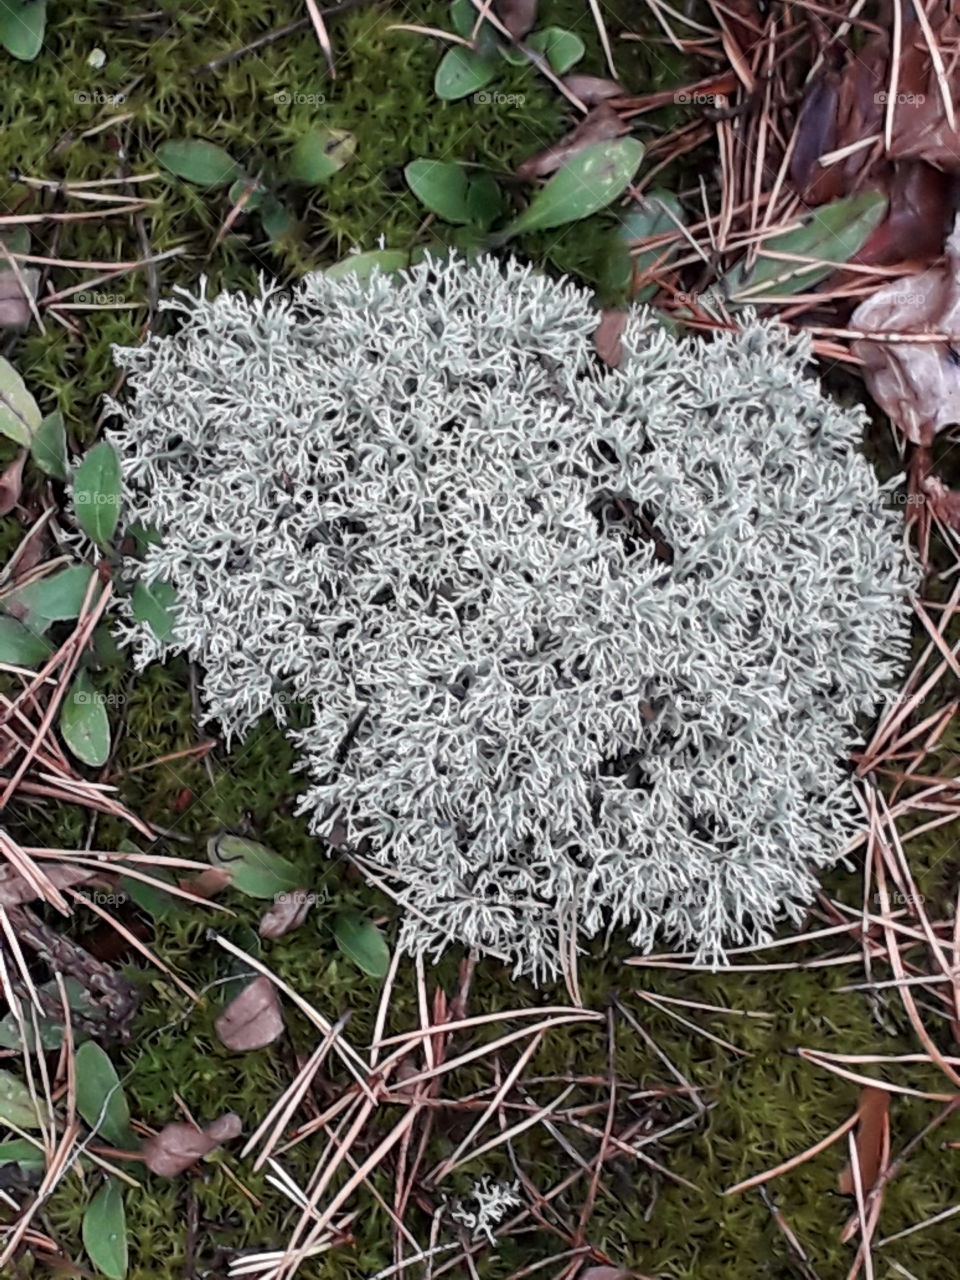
<point x="593" y="89"/>
<point x="518" y="16"/>
<point x="15" y="310"/>
<point x="11" y="483"/>
<point x="288" y="912"/>
<point x="607" y="337"/>
<point x="916" y="383"/>
<point x="599" y="125"/>
<point x="208" y="883"/>
<point x="15" y="890"/>
<point x="178" y="1146"/>
<point x="872" y="1140"/>
<point x="253" y="1019"/>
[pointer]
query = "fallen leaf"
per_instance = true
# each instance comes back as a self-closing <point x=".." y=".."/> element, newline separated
<point x="177" y="1146"/>
<point x="593" y="89"/>
<point x="288" y="912"/>
<point x="253" y="1019"/>
<point x="15" y="311"/>
<point x="872" y="1140"/>
<point x="599" y="125"/>
<point x="15" y="890"/>
<point x="607" y="337"/>
<point x="917" y="384"/>
<point x="208" y="883"/>
<point x="11" y="483"/>
<point x="518" y="16"/>
<point x="944" y="503"/>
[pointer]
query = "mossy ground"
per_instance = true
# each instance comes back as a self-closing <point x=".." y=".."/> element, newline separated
<point x="765" y="1106"/>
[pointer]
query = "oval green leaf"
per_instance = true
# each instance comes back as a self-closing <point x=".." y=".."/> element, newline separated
<point x="362" y="942"/>
<point x="442" y="186"/>
<point x="832" y="234"/>
<point x="58" y="597"/>
<point x="562" y="49"/>
<point x="20" y="1151"/>
<point x="105" y="1231"/>
<point x="255" y="197"/>
<point x="363" y="265"/>
<point x="16" y="1104"/>
<point x="461" y="71"/>
<point x="97" y="493"/>
<point x="319" y="154"/>
<point x="256" y="870"/>
<point x="84" y="723"/>
<point x="275" y="218"/>
<point x="653" y="215"/>
<point x="200" y="162"/>
<point x="100" y="1097"/>
<point x="22" y="26"/>
<point x="154" y="604"/>
<point x="588" y="182"/>
<point x="19" y="415"/>
<point x="21" y="646"/>
<point x="48" y="447"/>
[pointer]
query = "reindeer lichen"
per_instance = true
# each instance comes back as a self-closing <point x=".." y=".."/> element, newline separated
<point x="580" y="648"/>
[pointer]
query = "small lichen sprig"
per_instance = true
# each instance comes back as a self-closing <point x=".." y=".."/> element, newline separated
<point x="578" y="648"/>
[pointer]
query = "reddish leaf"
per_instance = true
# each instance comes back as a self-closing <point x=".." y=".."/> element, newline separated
<point x="11" y="481"/>
<point x="288" y="912"/>
<point x="208" y="883"/>
<point x="872" y="1140"/>
<point x="177" y="1146"/>
<point x="518" y="16"/>
<point x="252" y="1020"/>
<point x="607" y="337"/>
<point x="593" y="89"/>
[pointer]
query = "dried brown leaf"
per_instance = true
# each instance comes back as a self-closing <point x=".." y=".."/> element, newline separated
<point x="208" y="883"/>
<point x="177" y="1146"/>
<point x="288" y="912"/>
<point x="607" y="337"/>
<point x="916" y="383"/>
<point x="15" y="890"/>
<point x="253" y="1019"/>
<point x="518" y="16"/>
<point x="593" y="89"/>
<point x="11" y="483"/>
<point x="599" y="125"/>
<point x="15" y="312"/>
<point x="872" y="1140"/>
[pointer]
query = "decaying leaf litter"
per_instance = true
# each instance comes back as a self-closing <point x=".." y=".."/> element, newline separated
<point x="752" y="225"/>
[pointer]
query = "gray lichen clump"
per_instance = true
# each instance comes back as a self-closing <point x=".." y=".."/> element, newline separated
<point x="581" y="648"/>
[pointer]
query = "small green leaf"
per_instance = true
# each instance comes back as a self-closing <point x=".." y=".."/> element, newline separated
<point x="97" y="493"/>
<point x="58" y="597"/>
<point x="100" y="1097"/>
<point x="588" y="182"/>
<point x="651" y="216"/>
<point x="19" y="415"/>
<point x="21" y="646"/>
<point x="105" y="1231"/>
<point x="253" y="201"/>
<point x="362" y="942"/>
<point x="463" y="18"/>
<point x="197" y="161"/>
<point x="20" y="1151"/>
<point x="16" y="1104"/>
<point x="256" y="870"/>
<point x="275" y="218"/>
<point x="832" y="234"/>
<point x="461" y="71"/>
<point x="154" y="603"/>
<point x="319" y="154"/>
<point x="49" y="446"/>
<point x="562" y="49"/>
<point x="84" y="723"/>
<point x="447" y="189"/>
<point x="363" y="265"/>
<point x="155" y="902"/>
<point x="22" y="26"/>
